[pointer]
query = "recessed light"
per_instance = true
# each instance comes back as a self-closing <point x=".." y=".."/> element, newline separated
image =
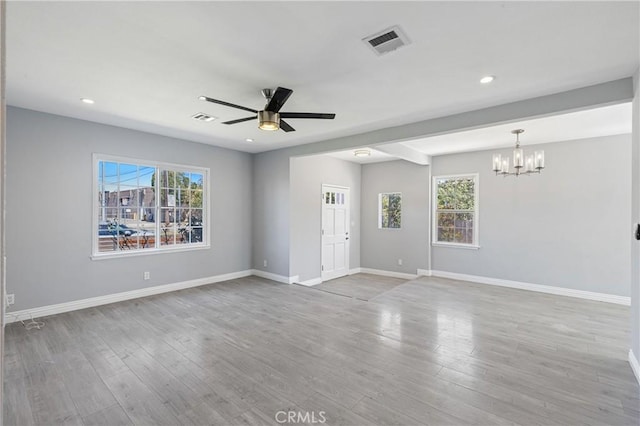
<point x="362" y="153"/>
<point x="249" y="140"/>
<point x="202" y="98"/>
<point x="487" y="79"/>
<point x="88" y="101"/>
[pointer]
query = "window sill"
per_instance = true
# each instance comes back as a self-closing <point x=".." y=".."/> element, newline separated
<point x="459" y="246"/>
<point x="123" y="253"/>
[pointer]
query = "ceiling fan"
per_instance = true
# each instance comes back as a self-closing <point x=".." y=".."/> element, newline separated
<point x="271" y="118"/>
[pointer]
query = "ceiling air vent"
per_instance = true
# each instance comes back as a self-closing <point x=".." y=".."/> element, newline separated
<point x="201" y="116"/>
<point x="387" y="40"/>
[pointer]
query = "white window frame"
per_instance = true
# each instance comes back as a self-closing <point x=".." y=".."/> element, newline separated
<point x="206" y="226"/>
<point x="476" y="213"/>
<point x="380" y="195"/>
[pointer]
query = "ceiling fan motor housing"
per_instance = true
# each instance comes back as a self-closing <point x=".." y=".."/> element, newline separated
<point x="268" y="94"/>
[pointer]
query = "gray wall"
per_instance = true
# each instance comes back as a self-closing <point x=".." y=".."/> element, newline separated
<point x="271" y="212"/>
<point x="49" y="208"/>
<point x="635" y="219"/>
<point x="307" y="176"/>
<point x="2" y="182"/>
<point x="271" y="169"/>
<point x="567" y="227"/>
<point x="381" y="248"/>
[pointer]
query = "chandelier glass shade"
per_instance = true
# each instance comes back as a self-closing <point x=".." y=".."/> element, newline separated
<point x="522" y="164"/>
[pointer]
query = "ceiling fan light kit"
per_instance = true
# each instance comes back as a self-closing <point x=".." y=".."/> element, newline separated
<point x="271" y="118"/>
<point x="268" y="120"/>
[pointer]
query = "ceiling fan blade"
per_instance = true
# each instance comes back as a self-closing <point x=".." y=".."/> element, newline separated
<point x="307" y="115"/>
<point x="215" y="101"/>
<point x="278" y="99"/>
<point x="286" y="126"/>
<point x="240" y="120"/>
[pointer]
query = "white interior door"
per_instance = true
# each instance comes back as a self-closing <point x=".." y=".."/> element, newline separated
<point x="335" y="232"/>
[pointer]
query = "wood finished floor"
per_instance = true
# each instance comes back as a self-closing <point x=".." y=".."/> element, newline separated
<point x="429" y="351"/>
<point x="359" y="286"/>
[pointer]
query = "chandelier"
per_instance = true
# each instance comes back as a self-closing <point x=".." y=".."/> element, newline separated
<point x="523" y="165"/>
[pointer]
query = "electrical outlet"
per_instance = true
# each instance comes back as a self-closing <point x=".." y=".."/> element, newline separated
<point x="146" y="275"/>
<point x="400" y="262"/>
<point x="11" y="299"/>
<point x="264" y="263"/>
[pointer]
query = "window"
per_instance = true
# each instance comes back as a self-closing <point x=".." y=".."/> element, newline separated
<point x="148" y="207"/>
<point x="389" y="210"/>
<point x="456" y="210"/>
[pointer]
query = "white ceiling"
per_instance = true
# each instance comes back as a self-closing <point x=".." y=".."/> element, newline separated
<point x="146" y="63"/>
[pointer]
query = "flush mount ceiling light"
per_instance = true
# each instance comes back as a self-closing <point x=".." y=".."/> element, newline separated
<point x="362" y="153"/>
<point x="531" y="163"/>
<point x="248" y="140"/>
<point x="88" y="101"/>
<point x="487" y="79"/>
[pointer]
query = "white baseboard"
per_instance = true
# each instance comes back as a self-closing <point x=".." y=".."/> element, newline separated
<point x="560" y="291"/>
<point x="275" y="277"/>
<point x="150" y="291"/>
<point x="311" y="282"/>
<point x="635" y="366"/>
<point x="393" y="274"/>
<point x="118" y="297"/>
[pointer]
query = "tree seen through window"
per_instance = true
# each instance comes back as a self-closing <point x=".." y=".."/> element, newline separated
<point x="455" y="209"/>
<point x="390" y="210"/>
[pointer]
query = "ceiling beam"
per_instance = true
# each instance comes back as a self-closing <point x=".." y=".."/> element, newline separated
<point x="610" y="93"/>
<point x="405" y="152"/>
